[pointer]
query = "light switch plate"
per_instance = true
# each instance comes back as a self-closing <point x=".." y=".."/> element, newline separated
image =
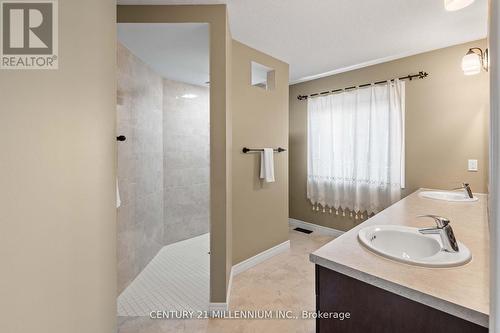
<point x="472" y="165"/>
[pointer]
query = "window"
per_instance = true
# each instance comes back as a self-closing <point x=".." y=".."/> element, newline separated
<point x="356" y="149"/>
<point x="263" y="76"/>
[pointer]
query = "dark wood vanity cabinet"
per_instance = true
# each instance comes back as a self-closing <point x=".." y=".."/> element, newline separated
<point x="375" y="310"/>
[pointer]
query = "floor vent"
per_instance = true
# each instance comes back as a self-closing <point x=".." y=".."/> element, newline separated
<point x="303" y="230"/>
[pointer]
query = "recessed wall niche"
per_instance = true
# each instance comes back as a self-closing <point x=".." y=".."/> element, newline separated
<point x="262" y="76"/>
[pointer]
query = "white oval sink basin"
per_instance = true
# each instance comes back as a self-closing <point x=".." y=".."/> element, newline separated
<point x="447" y="196"/>
<point x="406" y="244"/>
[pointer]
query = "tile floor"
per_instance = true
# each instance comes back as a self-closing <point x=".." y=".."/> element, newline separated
<point x="284" y="282"/>
<point x="176" y="279"/>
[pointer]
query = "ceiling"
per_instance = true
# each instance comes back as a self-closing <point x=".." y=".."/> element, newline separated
<point x="324" y="37"/>
<point x="176" y="51"/>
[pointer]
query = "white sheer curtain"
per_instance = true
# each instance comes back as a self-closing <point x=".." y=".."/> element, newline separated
<point x="356" y="149"/>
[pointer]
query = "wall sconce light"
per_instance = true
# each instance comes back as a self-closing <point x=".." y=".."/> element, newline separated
<point x="474" y="60"/>
<point x="452" y="5"/>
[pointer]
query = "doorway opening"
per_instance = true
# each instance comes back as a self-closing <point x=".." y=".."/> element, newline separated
<point x="163" y="112"/>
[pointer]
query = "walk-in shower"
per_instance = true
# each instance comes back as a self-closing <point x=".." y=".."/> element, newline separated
<point x="163" y="167"/>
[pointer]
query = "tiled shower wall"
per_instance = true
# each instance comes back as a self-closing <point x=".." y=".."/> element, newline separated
<point x="163" y="166"/>
<point x="140" y="165"/>
<point x="186" y="152"/>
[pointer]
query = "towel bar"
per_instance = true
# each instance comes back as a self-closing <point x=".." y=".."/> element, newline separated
<point x="246" y="150"/>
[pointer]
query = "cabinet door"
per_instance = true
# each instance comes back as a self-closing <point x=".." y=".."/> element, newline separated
<point x="374" y="310"/>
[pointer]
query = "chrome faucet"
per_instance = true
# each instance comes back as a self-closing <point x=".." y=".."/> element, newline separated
<point x="444" y="230"/>
<point x="467" y="189"/>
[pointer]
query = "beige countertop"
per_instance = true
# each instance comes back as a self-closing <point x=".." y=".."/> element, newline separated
<point x="461" y="291"/>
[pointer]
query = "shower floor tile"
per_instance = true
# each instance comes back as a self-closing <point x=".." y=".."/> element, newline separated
<point x="176" y="279"/>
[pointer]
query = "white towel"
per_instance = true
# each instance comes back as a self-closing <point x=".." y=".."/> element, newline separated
<point x="267" y="165"/>
<point x="118" y="201"/>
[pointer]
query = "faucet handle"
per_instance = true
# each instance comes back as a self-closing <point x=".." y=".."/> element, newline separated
<point x="466" y="187"/>
<point x="441" y="222"/>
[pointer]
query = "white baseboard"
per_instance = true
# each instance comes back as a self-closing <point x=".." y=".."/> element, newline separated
<point x="264" y="255"/>
<point x="229" y="286"/>
<point x="315" y="228"/>
<point x="258" y="258"/>
<point x="243" y="266"/>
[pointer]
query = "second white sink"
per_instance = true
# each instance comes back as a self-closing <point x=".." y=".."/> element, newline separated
<point x="408" y="245"/>
<point x="447" y="196"/>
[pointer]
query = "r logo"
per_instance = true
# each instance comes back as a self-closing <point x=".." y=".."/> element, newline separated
<point x="28" y="29"/>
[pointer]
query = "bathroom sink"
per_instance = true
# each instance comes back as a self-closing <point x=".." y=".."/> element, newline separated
<point x="447" y="196"/>
<point x="408" y="245"/>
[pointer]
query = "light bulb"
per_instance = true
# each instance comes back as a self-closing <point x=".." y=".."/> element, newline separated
<point x="452" y="5"/>
<point x="189" y="96"/>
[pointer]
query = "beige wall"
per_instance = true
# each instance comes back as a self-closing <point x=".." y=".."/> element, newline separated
<point x="446" y="124"/>
<point x="260" y="119"/>
<point x="220" y="176"/>
<point x="57" y="179"/>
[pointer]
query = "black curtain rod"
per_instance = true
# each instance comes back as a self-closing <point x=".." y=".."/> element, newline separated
<point x="420" y="75"/>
